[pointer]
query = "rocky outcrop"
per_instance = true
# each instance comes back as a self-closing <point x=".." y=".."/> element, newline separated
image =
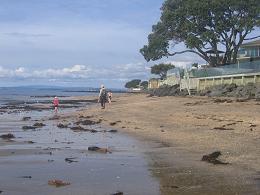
<point x="167" y="90"/>
<point x="249" y="91"/>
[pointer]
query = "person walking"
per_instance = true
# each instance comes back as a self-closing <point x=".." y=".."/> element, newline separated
<point x="56" y="104"/>
<point x="109" y="97"/>
<point x="102" y="98"/>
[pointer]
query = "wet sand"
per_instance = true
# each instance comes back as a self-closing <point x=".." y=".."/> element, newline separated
<point x="35" y="156"/>
<point x="184" y="130"/>
<point x="158" y="148"/>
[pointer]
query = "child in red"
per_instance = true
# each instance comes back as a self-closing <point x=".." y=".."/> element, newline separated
<point x="56" y="104"/>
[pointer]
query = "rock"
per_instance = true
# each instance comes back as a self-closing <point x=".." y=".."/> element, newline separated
<point x="26" y="177"/>
<point x="7" y="136"/>
<point x="71" y="160"/>
<point x="98" y="149"/>
<point x="112" y="131"/>
<point x="118" y="193"/>
<point x="26" y="118"/>
<point x="28" y="127"/>
<point x="30" y="142"/>
<point x="58" y="183"/>
<point x="212" y="158"/>
<point x="87" y="122"/>
<point x="113" y="123"/>
<point x="222" y="100"/>
<point x="167" y="90"/>
<point x="252" y="125"/>
<point x="249" y="91"/>
<point x="77" y="128"/>
<point x="38" y="125"/>
<point x="93" y="131"/>
<point x="62" y="126"/>
<point x="222" y="128"/>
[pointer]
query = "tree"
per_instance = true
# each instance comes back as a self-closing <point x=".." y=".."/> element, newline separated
<point x="203" y="25"/>
<point x="133" y="83"/>
<point x="161" y="69"/>
<point x="195" y="65"/>
<point x="144" y="84"/>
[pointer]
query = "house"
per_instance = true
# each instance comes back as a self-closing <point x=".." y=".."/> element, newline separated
<point x="249" y="52"/>
<point x="153" y="83"/>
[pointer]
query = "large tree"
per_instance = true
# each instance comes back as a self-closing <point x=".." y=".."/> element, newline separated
<point x="203" y="25"/>
<point x="144" y="84"/>
<point x="133" y="83"/>
<point x="161" y="69"/>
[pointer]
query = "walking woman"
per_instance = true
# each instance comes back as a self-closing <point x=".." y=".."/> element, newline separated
<point x="102" y="98"/>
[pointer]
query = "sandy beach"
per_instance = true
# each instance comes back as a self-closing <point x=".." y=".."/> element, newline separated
<point x="156" y="148"/>
<point x="186" y="128"/>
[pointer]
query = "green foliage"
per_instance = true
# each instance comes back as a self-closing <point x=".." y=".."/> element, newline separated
<point x="195" y="65"/>
<point x="161" y="69"/>
<point x="144" y="84"/>
<point x="202" y="25"/>
<point x="133" y="83"/>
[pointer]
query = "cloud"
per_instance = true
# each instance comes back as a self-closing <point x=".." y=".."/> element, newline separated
<point x="121" y="72"/>
<point x="181" y="64"/>
<point x="25" y="35"/>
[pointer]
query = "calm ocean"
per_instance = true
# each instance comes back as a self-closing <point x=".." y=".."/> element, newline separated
<point x="8" y="94"/>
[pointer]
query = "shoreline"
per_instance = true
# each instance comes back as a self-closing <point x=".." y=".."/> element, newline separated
<point x="188" y="128"/>
<point x="34" y="156"/>
<point x="174" y="133"/>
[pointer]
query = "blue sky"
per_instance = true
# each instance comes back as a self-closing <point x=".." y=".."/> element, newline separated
<point x="76" y="42"/>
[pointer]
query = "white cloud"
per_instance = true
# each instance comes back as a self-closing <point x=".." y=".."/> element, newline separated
<point x="181" y="64"/>
<point x="80" y="72"/>
<point x="20" y="70"/>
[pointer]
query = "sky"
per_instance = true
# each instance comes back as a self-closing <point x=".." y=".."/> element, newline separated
<point x="77" y="42"/>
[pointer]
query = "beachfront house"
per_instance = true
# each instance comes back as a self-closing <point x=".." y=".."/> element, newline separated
<point x="249" y="52"/>
<point x="153" y="83"/>
<point x="246" y="70"/>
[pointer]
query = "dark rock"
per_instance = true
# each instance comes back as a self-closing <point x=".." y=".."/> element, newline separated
<point x="39" y="125"/>
<point x="30" y="142"/>
<point x="167" y="90"/>
<point x="113" y="123"/>
<point x="222" y="101"/>
<point x="87" y="122"/>
<point x="28" y="127"/>
<point x="248" y="91"/>
<point x="93" y="131"/>
<point x="112" y="131"/>
<point x="118" y="193"/>
<point x="98" y="149"/>
<point x="70" y="160"/>
<point x="79" y="128"/>
<point x="26" y="118"/>
<point x="62" y="126"/>
<point x="26" y="177"/>
<point x="7" y="136"/>
<point x="222" y="128"/>
<point x="212" y="158"/>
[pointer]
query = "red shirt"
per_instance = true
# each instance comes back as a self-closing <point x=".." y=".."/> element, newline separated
<point x="56" y="102"/>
